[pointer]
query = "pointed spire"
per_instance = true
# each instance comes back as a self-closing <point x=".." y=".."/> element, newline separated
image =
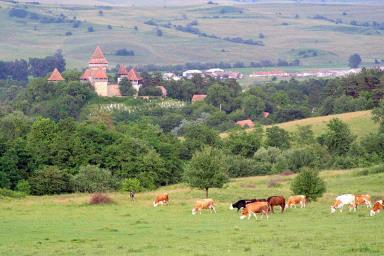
<point x="133" y="76"/>
<point x="55" y="76"/>
<point x="122" y="70"/>
<point x="98" y="57"/>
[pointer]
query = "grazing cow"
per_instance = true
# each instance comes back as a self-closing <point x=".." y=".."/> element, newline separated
<point x="276" y="201"/>
<point x="295" y="200"/>
<point x="132" y="195"/>
<point x="161" y="199"/>
<point x="379" y="205"/>
<point x="243" y="202"/>
<point x="342" y="200"/>
<point x="363" y="200"/>
<point x="253" y="208"/>
<point x="203" y="204"/>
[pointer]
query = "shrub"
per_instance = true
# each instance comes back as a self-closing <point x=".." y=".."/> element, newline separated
<point x="93" y="179"/>
<point x="50" y="180"/>
<point x="100" y="198"/>
<point x="23" y="187"/>
<point x="131" y="184"/>
<point x="68" y="33"/>
<point x="308" y="183"/>
<point x="10" y="193"/>
<point x="371" y="170"/>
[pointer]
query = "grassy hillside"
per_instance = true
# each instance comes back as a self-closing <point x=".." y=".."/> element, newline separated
<point x="333" y="43"/>
<point x="360" y="122"/>
<point x="67" y="225"/>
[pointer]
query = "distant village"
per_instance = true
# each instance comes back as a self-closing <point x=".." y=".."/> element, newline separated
<point x="96" y="75"/>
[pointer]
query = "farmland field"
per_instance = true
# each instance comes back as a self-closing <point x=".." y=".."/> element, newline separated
<point x="67" y="225"/>
<point x="333" y="43"/>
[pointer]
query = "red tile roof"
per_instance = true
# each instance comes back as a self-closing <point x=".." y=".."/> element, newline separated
<point x="198" y="97"/>
<point x="55" y="76"/>
<point x="95" y="74"/>
<point x="100" y="74"/>
<point x="246" y="123"/>
<point x="98" y="57"/>
<point x="122" y="70"/>
<point x="133" y="76"/>
<point x="266" y="114"/>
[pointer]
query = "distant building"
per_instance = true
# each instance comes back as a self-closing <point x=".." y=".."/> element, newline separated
<point x="190" y="73"/>
<point x="198" y="97"/>
<point x="171" y="76"/>
<point x="131" y="76"/>
<point x="55" y="76"/>
<point x="246" y="123"/>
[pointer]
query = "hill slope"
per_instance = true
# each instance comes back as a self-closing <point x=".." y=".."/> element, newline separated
<point x="67" y="225"/>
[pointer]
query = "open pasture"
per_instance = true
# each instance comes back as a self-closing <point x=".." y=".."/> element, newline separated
<point x="333" y="43"/>
<point x="67" y="225"/>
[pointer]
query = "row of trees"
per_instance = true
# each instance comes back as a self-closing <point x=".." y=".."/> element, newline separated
<point x="38" y="67"/>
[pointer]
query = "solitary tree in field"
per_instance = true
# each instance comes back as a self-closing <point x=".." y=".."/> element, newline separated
<point x="354" y="60"/>
<point x="207" y="170"/>
<point x="308" y="183"/>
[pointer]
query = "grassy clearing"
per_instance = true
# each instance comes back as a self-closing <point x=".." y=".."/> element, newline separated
<point x="67" y="225"/>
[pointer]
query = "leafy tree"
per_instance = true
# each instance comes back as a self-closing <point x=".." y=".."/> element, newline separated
<point x="49" y="180"/>
<point x="308" y="183"/>
<point x="252" y="105"/>
<point x="220" y="97"/>
<point x="244" y="143"/>
<point x="126" y="88"/>
<point x="92" y="179"/>
<point x="131" y="184"/>
<point x="354" y="60"/>
<point x="40" y="67"/>
<point x="24" y="187"/>
<point x="277" y="137"/>
<point x="207" y="170"/>
<point x="304" y="135"/>
<point x="338" y="138"/>
<point x="378" y="116"/>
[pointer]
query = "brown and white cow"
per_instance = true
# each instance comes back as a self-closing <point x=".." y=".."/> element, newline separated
<point x="340" y="201"/>
<point x="254" y="208"/>
<point x="203" y="204"/>
<point x="161" y="199"/>
<point x="377" y="207"/>
<point x="363" y="200"/>
<point x="296" y="200"/>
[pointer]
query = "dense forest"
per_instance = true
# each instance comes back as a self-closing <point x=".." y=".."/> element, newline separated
<point x="51" y="142"/>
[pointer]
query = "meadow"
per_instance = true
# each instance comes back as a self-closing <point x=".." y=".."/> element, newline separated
<point x="68" y="225"/>
<point x="333" y="43"/>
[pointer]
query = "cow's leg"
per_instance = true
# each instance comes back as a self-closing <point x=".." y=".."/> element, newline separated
<point x="272" y="209"/>
<point x="249" y="216"/>
<point x="254" y="214"/>
<point x="282" y="208"/>
<point x="213" y="208"/>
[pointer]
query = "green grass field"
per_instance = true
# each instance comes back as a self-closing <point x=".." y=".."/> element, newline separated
<point x="67" y="225"/>
<point x="334" y="42"/>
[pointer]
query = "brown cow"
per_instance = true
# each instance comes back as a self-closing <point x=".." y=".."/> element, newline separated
<point x="161" y="199"/>
<point x="296" y="200"/>
<point x="203" y="204"/>
<point x="377" y="207"/>
<point x="276" y="201"/>
<point x="363" y="200"/>
<point x="253" y="208"/>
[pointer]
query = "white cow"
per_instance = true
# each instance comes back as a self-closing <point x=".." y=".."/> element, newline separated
<point x="342" y="200"/>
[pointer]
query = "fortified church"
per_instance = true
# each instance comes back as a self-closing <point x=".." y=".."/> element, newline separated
<point x="96" y="75"/>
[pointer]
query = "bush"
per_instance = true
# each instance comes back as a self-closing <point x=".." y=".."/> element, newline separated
<point x="308" y="183"/>
<point x="99" y="198"/>
<point x="275" y="182"/>
<point x="371" y="170"/>
<point x="93" y="179"/>
<point x="131" y="184"/>
<point x="50" y="180"/>
<point x="10" y="193"/>
<point x="23" y="187"/>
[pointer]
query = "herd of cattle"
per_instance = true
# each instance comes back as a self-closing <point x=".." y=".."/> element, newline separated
<point x="251" y="207"/>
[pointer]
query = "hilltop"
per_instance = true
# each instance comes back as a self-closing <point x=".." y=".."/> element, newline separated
<point x="197" y="33"/>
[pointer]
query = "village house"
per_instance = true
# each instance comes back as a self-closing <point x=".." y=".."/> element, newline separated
<point x="55" y="76"/>
<point x="198" y="97"/>
<point x="246" y="123"/>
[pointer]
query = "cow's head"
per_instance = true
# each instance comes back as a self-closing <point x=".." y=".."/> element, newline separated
<point x="376" y="208"/>
<point x="335" y="205"/>
<point x="194" y="211"/>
